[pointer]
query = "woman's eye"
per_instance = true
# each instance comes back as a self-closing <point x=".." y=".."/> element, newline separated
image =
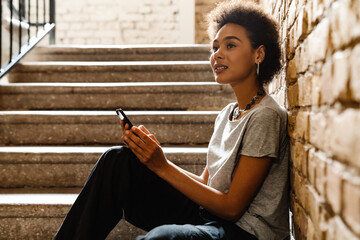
<point x="214" y="49"/>
<point x="230" y="45"/>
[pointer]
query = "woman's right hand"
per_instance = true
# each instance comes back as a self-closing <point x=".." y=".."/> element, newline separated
<point x="124" y="128"/>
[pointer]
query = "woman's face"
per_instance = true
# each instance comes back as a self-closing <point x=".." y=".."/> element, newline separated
<point x="233" y="58"/>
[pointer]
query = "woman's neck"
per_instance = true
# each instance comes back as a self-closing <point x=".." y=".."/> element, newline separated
<point x="245" y="91"/>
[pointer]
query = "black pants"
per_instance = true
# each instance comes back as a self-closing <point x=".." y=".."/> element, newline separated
<point x="121" y="185"/>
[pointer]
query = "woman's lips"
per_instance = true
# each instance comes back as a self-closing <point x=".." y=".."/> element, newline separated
<point x="220" y="69"/>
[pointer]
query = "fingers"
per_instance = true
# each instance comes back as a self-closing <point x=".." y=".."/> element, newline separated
<point x="144" y="129"/>
<point x="124" y="127"/>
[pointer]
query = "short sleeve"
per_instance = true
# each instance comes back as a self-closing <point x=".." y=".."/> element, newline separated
<point x="262" y="134"/>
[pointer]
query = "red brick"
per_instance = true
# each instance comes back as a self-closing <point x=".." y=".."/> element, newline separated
<point x="327" y="96"/>
<point x="293" y="96"/>
<point x="316" y="11"/>
<point x="311" y="171"/>
<point x="311" y="233"/>
<point x="340" y="79"/>
<point x="340" y="230"/>
<point x="317" y="211"/>
<point x="298" y="186"/>
<point x="320" y="173"/>
<point x="355" y="73"/>
<point x="301" y="157"/>
<point x="318" y="42"/>
<point x="281" y="79"/>
<point x="291" y="124"/>
<point x="305" y="90"/>
<point x="301" y="26"/>
<point x="315" y="90"/>
<point x="291" y="13"/>
<point x="291" y="71"/>
<point x="290" y="43"/>
<point x="301" y="57"/>
<point x="317" y="170"/>
<point x="313" y="202"/>
<point x="334" y="172"/>
<point x="301" y="130"/>
<point x="300" y="220"/>
<point x="351" y="202"/>
<point x="343" y="19"/>
<point x="319" y="131"/>
<point x="345" y="136"/>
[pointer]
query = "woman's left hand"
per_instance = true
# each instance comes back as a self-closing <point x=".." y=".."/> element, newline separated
<point x="145" y="146"/>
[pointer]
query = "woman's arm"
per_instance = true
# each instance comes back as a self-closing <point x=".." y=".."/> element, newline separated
<point x="203" y="178"/>
<point x="248" y="178"/>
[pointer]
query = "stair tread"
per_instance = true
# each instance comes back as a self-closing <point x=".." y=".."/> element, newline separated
<point x="184" y="155"/>
<point x="34" y="66"/>
<point x="109" y="84"/>
<point x="87" y="149"/>
<point x="134" y="87"/>
<point x="106" y="113"/>
<point x="137" y="47"/>
<point x="37" y="198"/>
<point x="100" y="96"/>
<point x="112" y="71"/>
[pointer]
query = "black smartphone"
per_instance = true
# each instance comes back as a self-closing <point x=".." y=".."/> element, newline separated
<point x="123" y="117"/>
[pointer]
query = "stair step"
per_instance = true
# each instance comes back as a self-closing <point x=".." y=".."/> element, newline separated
<point x="161" y="52"/>
<point x="62" y="166"/>
<point x="148" y="71"/>
<point x="150" y="95"/>
<point x="36" y="214"/>
<point x="102" y="127"/>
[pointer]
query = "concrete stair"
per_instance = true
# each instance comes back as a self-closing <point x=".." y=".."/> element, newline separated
<point x="155" y="52"/>
<point x="57" y="117"/>
<point x="102" y="127"/>
<point x="134" y="71"/>
<point x="154" y="95"/>
<point x="69" y="167"/>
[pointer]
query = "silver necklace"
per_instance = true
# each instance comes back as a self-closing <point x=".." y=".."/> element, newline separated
<point x="237" y="111"/>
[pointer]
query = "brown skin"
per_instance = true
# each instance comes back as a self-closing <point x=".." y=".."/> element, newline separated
<point x="250" y="173"/>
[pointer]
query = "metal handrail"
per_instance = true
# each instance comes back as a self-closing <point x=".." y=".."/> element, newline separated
<point x="47" y="27"/>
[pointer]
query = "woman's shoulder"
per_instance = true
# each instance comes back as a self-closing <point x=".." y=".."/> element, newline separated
<point x="268" y="107"/>
<point x="226" y="110"/>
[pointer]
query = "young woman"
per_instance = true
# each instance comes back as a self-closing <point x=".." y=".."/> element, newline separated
<point x="243" y="190"/>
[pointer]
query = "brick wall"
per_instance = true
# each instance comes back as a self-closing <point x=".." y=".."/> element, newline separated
<point x="202" y="8"/>
<point x="320" y="87"/>
<point x="124" y="22"/>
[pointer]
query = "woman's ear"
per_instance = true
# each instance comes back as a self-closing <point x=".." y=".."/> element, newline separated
<point x="260" y="54"/>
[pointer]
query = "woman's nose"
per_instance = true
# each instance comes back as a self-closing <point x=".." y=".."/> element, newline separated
<point x="218" y="54"/>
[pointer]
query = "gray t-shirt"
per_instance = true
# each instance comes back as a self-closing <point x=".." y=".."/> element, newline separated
<point x="261" y="132"/>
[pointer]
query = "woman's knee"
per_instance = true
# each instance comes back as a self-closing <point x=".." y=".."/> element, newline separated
<point x="164" y="232"/>
<point x="114" y="154"/>
<point x="175" y="232"/>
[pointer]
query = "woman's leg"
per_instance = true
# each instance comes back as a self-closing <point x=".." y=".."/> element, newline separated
<point x="120" y="183"/>
<point x="207" y="231"/>
<point x="214" y="229"/>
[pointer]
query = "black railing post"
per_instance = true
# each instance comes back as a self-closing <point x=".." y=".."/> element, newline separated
<point x="1" y="36"/>
<point x="29" y="7"/>
<point x="52" y="21"/>
<point x="48" y="27"/>
<point x="44" y="13"/>
<point x="37" y="17"/>
<point x="20" y="30"/>
<point x="11" y="29"/>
